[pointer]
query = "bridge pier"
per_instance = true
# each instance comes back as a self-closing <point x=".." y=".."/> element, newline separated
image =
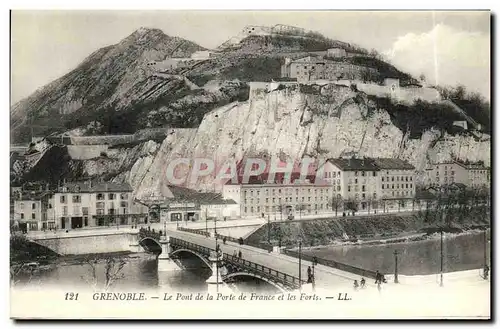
<point x="214" y="282"/>
<point x="165" y="263"/>
<point x="134" y="243"/>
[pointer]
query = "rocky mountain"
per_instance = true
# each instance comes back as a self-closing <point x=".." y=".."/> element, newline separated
<point x="110" y="79"/>
<point x="214" y="110"/>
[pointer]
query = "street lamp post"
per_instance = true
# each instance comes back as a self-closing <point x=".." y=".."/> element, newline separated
<point x="268" y="230"/>
<point x="396" y="266"/>
<point x="314" y="263"/>
<point x="485" y="235"/>
<point x="300" y="264"/>
<point x="441" y="281"/>
<point x="216" y="255"/>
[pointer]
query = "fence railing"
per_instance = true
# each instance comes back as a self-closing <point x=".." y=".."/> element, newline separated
<point x="333" y="264"/>
<point x="258" y="269"/>
<point x="194" y="231"/>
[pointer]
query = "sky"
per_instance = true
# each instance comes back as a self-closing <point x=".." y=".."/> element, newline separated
<point x="449" y="48"/>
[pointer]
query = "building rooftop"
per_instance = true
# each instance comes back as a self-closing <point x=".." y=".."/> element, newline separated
<point x="34" y="195"/>
<point x="184" y="194"/>
<point x="389" y="163"/>
<point x="371" y="164"/>
<point x="354" y="164"/>
<point x="92" y="187"/>
<point x="279" y="179"/>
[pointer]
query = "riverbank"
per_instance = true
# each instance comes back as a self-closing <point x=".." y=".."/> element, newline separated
<point x="366" y="229"/>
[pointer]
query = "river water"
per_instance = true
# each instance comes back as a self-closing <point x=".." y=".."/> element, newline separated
<point x="462" y="252"/>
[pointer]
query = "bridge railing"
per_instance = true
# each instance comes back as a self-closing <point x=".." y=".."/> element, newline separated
<point x="264" y="271"/>
<point x="194" y="231"/>
<point x="331" y="263"/>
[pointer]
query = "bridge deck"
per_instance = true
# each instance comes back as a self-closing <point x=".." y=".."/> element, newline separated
<point x="325" y="276"/>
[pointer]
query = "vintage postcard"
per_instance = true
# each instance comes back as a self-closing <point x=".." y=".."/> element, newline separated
<point x="250" y="165"/>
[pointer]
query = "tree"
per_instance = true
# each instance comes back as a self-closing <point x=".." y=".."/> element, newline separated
<point x="301" y="207"/>
<point x="336" y="202"/>
<point x="112" y="272"/>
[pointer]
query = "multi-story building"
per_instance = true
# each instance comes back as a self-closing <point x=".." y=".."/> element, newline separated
<point x="85" y="204"/>
<point x="260" y="198"/>
<point x="310" y="68"/>
<point x="473" y="175"/>
<point x="31" y="210"/>
<point x="366" y="181"/>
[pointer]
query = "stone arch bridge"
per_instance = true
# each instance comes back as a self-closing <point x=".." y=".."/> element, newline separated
<point x="225" y="267"/>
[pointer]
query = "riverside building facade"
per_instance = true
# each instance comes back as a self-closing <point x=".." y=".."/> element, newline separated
<point x="370" y="183"/>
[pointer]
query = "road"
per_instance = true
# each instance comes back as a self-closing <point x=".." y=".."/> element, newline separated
<point x="325" y="276"/>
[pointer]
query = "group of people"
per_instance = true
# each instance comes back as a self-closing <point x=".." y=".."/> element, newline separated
<point x="379" y="279"/>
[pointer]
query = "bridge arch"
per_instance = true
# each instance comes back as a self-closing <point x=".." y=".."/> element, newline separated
<point x="236" y="274"/>
<point x="144" y="242"/>
<point x="200" y="256"/>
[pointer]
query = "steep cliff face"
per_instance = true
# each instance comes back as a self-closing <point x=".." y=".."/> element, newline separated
<point x="291" y="123"/>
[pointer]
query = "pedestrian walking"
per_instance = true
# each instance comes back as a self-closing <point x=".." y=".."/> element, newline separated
<point x="486" y="272"/>
<point x="309" y="274"/>
<point x="363" y="282"/>
<point x="239" y="254"/>
<point x="377" y="277"/>
<point x="224" y="240"/>
<point x="356" y="285"/>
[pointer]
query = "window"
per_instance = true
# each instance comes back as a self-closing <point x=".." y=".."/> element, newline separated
<point x="251" y="209"/>
<point x="355" y="173"/>
<point x="76" y="210"/>
<point x="62" y="199"/>
<point x="33" y="216"/>
<point x="363" y="173"/>
<point x="85" y="211"/>
<point x="111" y="211"/>
<point x="124" y="204"/>
<point x="22" y="216"/>
<point x="406" y="185"/>
<point x="452" y="172"/>
<point x="123" y="196"/>
<point x="392" y="185"/>
<point x="374" y="174"/>
<point x="363" y="195"/>
<point x="334" y="174"/>
<point x="33" y="205"/>
<point x="382" y="186"/>
<point x="392" y="179"/>
<point x="100" y="196"/>
<point x="267" y="199"/>
<point x="100" y="211"/>
<point x="245" y="207"/>
<point x="77" y="199"/>
<point x="65" y="211"/>
<point x="397" y="178"/>
<point x="363" y="188"/>
<point x="349" y="188"/>
<point x="111" y="196"/>
<point x="99" y="205"/>
<point x="356" y="181"/>
<point x="338" y="188"/>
